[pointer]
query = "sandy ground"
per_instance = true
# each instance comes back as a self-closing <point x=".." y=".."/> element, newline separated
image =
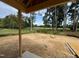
<point x="44" y="45"/>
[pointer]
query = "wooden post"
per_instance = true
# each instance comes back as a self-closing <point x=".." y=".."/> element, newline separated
<point x="20" y="38"/>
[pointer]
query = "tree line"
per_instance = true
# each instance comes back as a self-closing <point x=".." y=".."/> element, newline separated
<point x="11" y="21"/>
<point x="60" y="15"/>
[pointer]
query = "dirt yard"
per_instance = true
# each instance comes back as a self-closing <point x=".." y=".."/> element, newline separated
<point x="44" y="45"/>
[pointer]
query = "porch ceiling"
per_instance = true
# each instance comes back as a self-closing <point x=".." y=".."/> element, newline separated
<point x="33" y="5"/>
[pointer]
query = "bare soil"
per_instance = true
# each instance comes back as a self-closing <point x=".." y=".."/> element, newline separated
<point x="44" y="45"/>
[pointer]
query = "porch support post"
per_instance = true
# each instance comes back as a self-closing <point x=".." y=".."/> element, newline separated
<point x="20" y="35"/>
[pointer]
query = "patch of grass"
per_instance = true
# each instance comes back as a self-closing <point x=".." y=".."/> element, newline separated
<point x="4" y="32"/>
<point x="59" y="32"/>
<point x="7" y="32"/>
<point x="47" y="31"/>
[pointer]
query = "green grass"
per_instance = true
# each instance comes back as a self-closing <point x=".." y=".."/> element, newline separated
<point x="59" y="32"/>
<point x="7" y="32"/>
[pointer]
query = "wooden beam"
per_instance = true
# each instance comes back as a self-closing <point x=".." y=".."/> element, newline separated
<point x="23" y="7"/>
<point x="46" y="4"/>
<point x="29" y="2"/>
<point x="16" y="4"/>
<point x="20" y="38"/>
<point x="74" y="1"/>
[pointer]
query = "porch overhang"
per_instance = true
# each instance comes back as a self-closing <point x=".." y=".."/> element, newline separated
<point x="33" y="5"/>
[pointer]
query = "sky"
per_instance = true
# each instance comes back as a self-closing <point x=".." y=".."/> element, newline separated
<point x="7" y="10"/>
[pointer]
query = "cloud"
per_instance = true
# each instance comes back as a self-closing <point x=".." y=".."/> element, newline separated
<point x="24" y="14"/>
<point x="39" y="16"/>
<point x="69" y="3"/>
<point x="41" y="12"/>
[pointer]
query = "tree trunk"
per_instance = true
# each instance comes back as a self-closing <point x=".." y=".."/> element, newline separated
<point x="74" y="22"/>
<point x="31" y="22"/>
<point x="52" y="27"/>
<point x="75" y="18"/>
<point x="65" y="19"/>
<point x="56" y="19"/>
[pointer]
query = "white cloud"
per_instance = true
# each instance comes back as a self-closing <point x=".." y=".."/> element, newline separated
<point x="41" y="12"/>
<point x="69" y="3"/>
<point x="24" y="14"/>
